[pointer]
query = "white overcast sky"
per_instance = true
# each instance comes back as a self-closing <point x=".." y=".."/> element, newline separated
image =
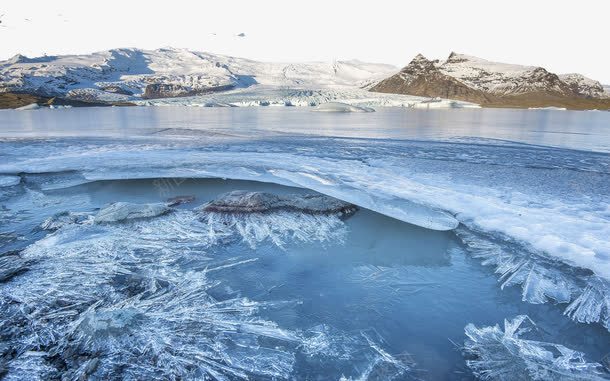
<point x="563" y="36"/>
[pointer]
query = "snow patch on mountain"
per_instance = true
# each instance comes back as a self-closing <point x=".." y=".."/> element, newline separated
<point x="583" y="85"/>
<point x="494" y="84"/>
<point x="509" y="79"/>
<point x="501" y="78"/>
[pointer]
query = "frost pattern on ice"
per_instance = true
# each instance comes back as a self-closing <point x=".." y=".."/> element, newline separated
<point x="494" y="353"/>
<point x="120" y="295"/>
<point x="364" y="350"/>
<point x="278" y="228"/>
<point x="593" y="304"/>
<point x="136" y="300"/>
<point x="30" y="366"/>
<point x="258" y="216"/>
<point x="543" y="279"/>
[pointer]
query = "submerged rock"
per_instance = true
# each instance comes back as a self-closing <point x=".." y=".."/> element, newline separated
<point x="121" y="211"/>
<point x="244" y="202"/>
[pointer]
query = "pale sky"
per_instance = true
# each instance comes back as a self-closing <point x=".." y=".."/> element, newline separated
<point x="562" y="36"/>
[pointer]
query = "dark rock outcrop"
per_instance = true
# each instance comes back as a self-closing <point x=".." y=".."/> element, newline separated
<point x="494" y="84"/>
<point x="170" y="90"/>
<point x="16" y="100"/>
<point x="179" y="200"/>
<point x="115" y="89"/>
<point x="421" y="77"/>
<point x="243" y="202"/>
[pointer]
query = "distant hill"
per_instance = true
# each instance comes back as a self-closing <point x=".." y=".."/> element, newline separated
<point x="137" y="76"/>
<point x="494" y="84"/>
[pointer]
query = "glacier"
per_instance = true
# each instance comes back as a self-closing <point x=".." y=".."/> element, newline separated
<point x="171" y="76"/>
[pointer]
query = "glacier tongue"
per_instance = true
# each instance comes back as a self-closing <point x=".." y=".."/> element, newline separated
<point x="128" y="74"/>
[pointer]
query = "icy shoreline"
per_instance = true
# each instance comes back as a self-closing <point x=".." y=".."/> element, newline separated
<point x="536" y="216"/>
<point x="112" y="246"/>
<point x="393" y="185"/>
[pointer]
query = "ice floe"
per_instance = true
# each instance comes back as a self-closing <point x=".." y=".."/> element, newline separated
<point x="433" y="185"/>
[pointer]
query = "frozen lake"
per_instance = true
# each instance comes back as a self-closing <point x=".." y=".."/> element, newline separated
<point x="466" y="219"/>
<point x="583" y="130"/>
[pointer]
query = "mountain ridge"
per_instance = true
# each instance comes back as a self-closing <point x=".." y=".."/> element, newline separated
<point x="494" y="84"/>
<point x="127" y="76"/>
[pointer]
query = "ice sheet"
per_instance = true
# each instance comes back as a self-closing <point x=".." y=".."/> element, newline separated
<point x="557" y="207"/>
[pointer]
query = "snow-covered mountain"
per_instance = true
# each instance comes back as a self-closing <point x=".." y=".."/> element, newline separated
<point x="127" y="74"/>
<point x="474" y="79"/>
<point x="423" y="77"/>
<point x="509" y="79"/>
<point x="583" y="85"/>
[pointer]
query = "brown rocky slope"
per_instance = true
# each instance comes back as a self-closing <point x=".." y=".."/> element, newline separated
<point x="489" y="84"/>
